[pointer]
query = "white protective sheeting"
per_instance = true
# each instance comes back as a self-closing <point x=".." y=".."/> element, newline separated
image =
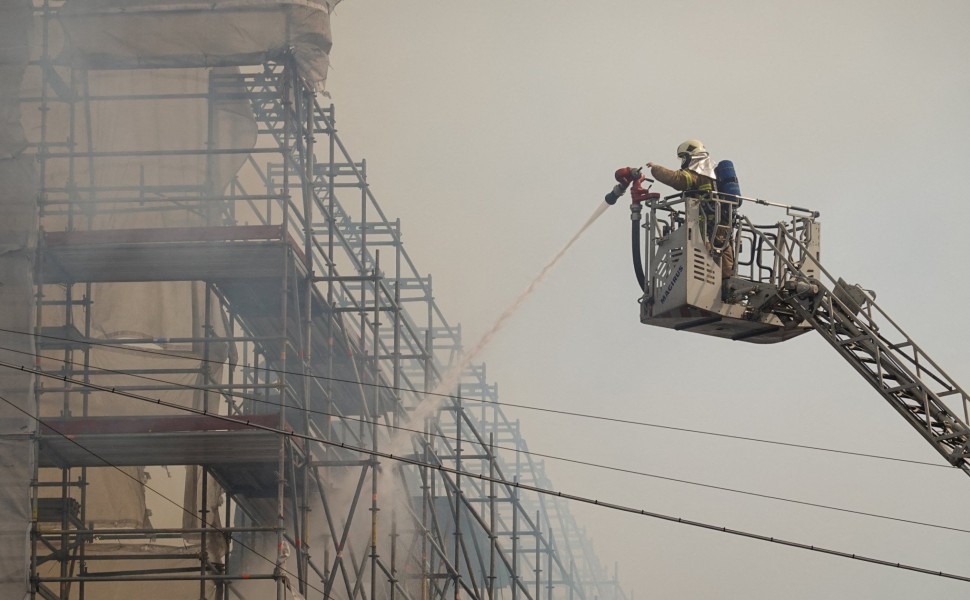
<point x="175" y="309"/>
<point x="18" y="238"/>
<point x="110" y="34"/>
<point x="15" y="28"/>
<point x="116" y="495"/>
<point x="16" y="454"/>
<point x="134" y="56"/>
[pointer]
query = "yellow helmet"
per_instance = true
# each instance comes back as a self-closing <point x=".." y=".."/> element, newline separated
<point x="690" y="148"/>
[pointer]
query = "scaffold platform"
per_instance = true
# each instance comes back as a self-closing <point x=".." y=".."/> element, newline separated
<point x="244" y="460"/>
<point x="211" y="254"/>
<point x="247" y="264"/>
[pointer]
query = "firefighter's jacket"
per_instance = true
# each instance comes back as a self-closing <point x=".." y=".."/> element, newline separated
<point x="718" y="228"/>
<point x="682" y="180"/>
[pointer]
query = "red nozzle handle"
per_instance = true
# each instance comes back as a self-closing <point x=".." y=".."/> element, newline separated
<point x="638" y="194"/>
<point x="627" y="175"/>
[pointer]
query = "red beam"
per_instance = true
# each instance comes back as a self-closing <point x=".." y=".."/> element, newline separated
<point x="159" y="424"/>
<point x="164" y="234"/>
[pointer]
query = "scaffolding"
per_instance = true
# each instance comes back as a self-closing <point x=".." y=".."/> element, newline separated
<point x="290" y="358"/>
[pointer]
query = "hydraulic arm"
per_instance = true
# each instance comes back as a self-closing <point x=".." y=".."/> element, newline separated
<point x="890" y="360"/>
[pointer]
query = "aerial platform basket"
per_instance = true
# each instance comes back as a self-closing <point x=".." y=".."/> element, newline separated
<point x="777" y="290"/>
<point x="685" y="287"/>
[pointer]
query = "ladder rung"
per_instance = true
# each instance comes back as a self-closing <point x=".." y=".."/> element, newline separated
<point x="918" y="411"/>
<point x="901" y="388"/>
<point x="872" y="361"/>
<point x="853" y="340"/>
<point x="953" y="435"/>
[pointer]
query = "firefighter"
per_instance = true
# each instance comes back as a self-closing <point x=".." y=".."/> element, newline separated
<point x="696" y="178"/>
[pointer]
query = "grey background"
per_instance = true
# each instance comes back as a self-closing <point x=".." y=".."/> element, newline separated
<point x="493" y="128"/>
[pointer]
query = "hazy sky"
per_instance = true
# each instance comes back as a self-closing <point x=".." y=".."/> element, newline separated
<point x="492" y="130"/>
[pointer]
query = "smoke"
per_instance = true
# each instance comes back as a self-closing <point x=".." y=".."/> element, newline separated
<point x="391" y="482"/>
<point x="400" y="440"/>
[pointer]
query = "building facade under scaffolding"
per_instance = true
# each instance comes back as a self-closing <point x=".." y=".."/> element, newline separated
<point x="222" y="374"/>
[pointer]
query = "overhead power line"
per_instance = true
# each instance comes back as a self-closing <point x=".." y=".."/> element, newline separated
<point x="619" y="420"/>
<point x="509" y="484"/>
<point x="508" y="449"/>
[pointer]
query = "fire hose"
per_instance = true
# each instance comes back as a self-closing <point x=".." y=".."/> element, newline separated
<point x="626" y="177"/>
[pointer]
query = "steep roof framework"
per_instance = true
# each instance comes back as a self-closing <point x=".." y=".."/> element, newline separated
<point x="213" y="272"/>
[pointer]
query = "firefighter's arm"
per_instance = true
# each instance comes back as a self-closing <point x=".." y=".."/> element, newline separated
<point x="680" y="180"/>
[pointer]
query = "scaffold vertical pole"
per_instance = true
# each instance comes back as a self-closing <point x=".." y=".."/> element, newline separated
<point x="538" y="532"/>
<point x="305" y="111"/>
<point x="492" y="537"/>
<point x="515" y="537"/>
<point x="375" y="349"/>
<point x="284" y="305"/>
<point x="458" y="465"/>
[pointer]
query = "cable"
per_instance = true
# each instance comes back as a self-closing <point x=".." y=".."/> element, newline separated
<point x="509" y="404"/>
<point x="526" y="452"/>
<point x="215" y="528"/>
<point x="535" y="489"/>
<point x="248" y="423"/>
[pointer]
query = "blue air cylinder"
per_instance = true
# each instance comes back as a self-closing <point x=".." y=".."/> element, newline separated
<point x="727" y="179"/>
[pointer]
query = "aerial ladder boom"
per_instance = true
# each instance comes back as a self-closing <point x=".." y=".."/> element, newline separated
<point x="890" y="360"/>
<point x="776" y="290"/>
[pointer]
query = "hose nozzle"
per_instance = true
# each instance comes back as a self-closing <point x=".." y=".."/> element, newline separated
<point x="614" y="195"/>
<point x="624" y="177"/>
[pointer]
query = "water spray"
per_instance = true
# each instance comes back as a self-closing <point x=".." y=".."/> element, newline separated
<point x="401" y="442"/>
<point x="450" y="379"/>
